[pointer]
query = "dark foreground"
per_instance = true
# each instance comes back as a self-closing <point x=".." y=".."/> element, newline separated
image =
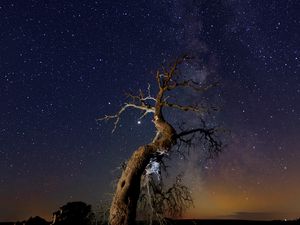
<point x="226" y="222"/>
<point x="211" y="222"/>
<point x="231" y="222"/>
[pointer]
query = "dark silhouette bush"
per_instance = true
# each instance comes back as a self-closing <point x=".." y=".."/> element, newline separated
<point x="74" y="213"/>
<point x="36" y="221"/>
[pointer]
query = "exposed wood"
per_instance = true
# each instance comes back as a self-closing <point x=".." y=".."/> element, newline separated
<point x="124" y="204"/>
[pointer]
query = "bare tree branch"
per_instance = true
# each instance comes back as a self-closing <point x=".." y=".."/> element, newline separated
<point x="172" y="201"/>
<point x="185" y="108"/>
<point x="208" y="135"/>
<point x="196" y="86"/>
<point x="127" y="105"/>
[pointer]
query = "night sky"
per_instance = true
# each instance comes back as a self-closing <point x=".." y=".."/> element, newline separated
<point x="63" y="64"/>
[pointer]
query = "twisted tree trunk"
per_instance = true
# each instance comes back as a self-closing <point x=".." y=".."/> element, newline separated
<point x="124" y="204"/>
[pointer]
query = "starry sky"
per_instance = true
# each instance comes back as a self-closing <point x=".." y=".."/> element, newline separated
<point x="63" y="64"/>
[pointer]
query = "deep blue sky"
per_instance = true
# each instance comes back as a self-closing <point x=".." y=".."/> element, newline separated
<point x="63" y="64"/>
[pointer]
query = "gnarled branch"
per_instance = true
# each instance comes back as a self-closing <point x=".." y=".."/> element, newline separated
<point x="196" y="109"/>
<point x="146" y="109"/>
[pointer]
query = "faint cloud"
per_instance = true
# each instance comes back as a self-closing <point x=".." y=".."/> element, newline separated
<point x="255" y="216"/>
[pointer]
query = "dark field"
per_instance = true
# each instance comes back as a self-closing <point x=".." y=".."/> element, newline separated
<point x="209" y="222"/>
<point x="225" y="222"/>
<point x="230" y="222"/>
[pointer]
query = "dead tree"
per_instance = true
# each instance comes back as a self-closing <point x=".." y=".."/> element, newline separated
<point x="124" y="203"/>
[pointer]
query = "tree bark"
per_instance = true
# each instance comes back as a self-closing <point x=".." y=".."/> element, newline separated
<point x="124" y="204"/>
